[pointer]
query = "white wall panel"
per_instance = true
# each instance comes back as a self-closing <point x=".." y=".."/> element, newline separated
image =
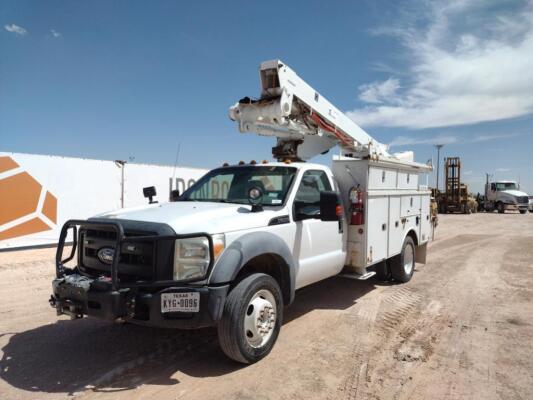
<point x="82" y="187"/>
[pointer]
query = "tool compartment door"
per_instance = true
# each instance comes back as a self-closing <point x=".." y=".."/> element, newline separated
<point x="396" y="227"/>
<point x="381" y="178"/>
<point x="410" y="205"/>
<point x="425" y="216"/>
<point x="407" y="180"/>
<point x="377" y="227"/>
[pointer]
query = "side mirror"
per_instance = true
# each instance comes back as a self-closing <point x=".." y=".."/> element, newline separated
<point x="330" y="209"/>
<point x="255" y="198"/>
<point x="174" y="195"/>
<point x="149" y="192"/>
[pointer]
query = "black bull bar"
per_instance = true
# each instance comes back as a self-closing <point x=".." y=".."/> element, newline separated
<point x="117" y="227"/>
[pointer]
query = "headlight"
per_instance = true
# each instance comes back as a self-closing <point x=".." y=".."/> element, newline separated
<point x="192" y="256"/>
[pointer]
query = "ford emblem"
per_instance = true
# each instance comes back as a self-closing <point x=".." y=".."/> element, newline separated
<point x="106" y="255"/>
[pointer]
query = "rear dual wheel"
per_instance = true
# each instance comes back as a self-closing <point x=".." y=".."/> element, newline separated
<point x="401" y="267"/>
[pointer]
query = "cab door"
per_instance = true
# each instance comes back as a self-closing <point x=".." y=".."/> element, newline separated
<point x="318" y="244"/>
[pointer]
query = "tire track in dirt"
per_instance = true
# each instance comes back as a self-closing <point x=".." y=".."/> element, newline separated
<point x="371" y="319"/>
<point x="407" y="326"/>
<point x="447" y="333"/>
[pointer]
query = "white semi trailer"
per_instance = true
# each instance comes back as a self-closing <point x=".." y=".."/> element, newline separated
<point x="232" y="250"/>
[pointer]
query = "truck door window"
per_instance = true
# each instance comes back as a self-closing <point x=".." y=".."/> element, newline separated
<point x="307" y="198"/>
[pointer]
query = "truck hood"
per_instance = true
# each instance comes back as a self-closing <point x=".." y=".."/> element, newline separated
<point x="515" y="193"/>
<point x="195" y="216"/>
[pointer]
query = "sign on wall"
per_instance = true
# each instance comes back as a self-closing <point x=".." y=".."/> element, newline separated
<point x="39" y="193"/>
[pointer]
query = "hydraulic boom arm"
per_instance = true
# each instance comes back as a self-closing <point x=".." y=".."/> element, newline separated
<point x="304" y="123"/>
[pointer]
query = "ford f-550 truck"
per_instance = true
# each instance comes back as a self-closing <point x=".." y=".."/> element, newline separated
<point x="233" y="249"/>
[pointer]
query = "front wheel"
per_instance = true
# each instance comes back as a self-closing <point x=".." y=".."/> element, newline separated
<point x="402" y="266"/>
<point x="501" y="208"/>
<point x="523" y="211"/>
<point x="251" y="319"/>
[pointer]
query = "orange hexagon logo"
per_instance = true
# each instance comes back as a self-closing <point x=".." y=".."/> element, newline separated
<point x="25" y="208"/>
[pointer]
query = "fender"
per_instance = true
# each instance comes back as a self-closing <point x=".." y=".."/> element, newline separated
<point x="415" y="235"/>
<point x="251" y="245"/>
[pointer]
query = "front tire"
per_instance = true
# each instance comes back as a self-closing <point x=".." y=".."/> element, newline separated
<point x="501" y="208"/>
<point x="523" y="211"/>
<point x="403" y="265"/>
<point x="251" y="319"/>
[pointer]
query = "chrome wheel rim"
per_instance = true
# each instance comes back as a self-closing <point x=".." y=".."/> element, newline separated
<point x="408" y="259"/>
<point x="260" y="318"/>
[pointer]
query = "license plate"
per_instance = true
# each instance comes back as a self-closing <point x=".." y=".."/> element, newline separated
<point x="180" y="302"/>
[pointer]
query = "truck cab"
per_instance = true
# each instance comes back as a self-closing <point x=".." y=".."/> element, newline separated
<point x="505" y="195"/>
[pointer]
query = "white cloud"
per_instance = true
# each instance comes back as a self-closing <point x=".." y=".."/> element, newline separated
<point x="502" y="169"/>
<point x="379" y="92"/>
<point x="409" y="140"/>
<point x="496" y="136"/>
<point x="55" y="33"/>
<point x="449" y="139"/>
<point x="468" y="65"/>
<point x="18" y="30"/>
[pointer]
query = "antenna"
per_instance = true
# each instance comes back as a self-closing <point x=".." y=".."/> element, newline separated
<point x="176" y="163"/>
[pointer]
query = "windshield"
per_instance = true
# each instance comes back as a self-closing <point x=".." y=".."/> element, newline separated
<point x="231" y="185"/>
<point x="506" y="186"/>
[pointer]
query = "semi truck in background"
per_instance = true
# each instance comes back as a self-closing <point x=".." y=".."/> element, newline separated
<point x="232" y="250"/>
<point x="505" y="195"/>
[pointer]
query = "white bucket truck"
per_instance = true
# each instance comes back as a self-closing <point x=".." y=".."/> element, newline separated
<point x="232" y="250"/>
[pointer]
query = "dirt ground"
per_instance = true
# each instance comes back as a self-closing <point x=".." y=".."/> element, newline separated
<point x="461" y="329"/>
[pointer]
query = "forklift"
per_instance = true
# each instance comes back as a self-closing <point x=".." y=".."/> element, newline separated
<point x="455" y="198"/>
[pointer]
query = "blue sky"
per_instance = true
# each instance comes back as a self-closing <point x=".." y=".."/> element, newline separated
<point x="120" y="79"/>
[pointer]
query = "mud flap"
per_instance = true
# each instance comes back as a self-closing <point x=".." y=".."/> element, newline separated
<point x="421" y="252"/>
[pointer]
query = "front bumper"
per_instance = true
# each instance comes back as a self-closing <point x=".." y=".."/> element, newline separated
<point x="77" y="296"/>
<point x="516" y="206"/>
<point x="77" y="293"/>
